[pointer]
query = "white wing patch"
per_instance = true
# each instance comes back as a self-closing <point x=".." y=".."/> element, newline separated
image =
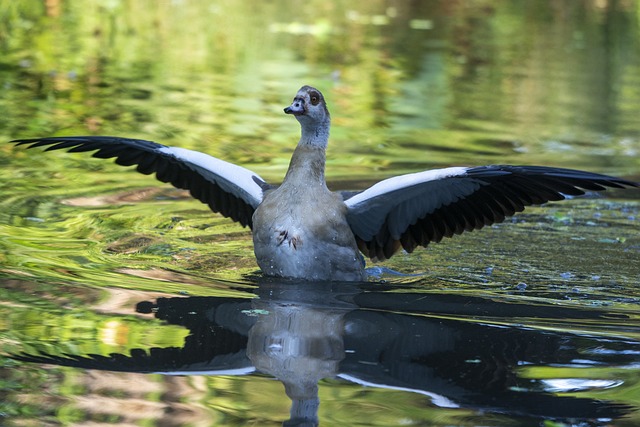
<point x="231" y="178"/>
<point x="402" y="200"/>
<point x="403" y="181"/>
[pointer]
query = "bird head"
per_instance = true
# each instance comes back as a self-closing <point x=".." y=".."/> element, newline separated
<point x="309" y="107"/>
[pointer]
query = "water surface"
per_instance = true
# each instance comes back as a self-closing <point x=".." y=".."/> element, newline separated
<point x="125" y="302"/>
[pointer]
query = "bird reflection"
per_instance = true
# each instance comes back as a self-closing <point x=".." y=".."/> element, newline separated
<point x="300" y="345"/>
<point x="451" y="348"/>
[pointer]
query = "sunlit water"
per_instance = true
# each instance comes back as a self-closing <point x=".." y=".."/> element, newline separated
<point x="125" y="302"/>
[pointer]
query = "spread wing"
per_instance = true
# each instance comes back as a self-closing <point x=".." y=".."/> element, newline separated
<point x="231" y="190"/>
<point x="416" y="209"/>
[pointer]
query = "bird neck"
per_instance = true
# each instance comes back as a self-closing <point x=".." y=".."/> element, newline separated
<point x="315" y="134"/>
<point x="306" y="166"/>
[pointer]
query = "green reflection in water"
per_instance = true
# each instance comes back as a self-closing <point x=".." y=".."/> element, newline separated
<point x="411" y="86"/>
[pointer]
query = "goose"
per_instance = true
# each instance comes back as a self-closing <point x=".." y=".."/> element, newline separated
<point x="302" y="230"/>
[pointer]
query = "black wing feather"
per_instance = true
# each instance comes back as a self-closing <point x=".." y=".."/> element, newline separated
<point x="204" y="184"/>
<point x="501" y="192"/>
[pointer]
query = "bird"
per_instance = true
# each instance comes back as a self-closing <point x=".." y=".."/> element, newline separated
<point x="304" y="231"/>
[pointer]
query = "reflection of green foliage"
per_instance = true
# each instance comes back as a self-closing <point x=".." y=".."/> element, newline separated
<point x="627" y="392"/>
<point x="41" y="328"/>
<point x="411" y="86"/>
<point x="189" y="75"/>
<point x="14" y="379"/>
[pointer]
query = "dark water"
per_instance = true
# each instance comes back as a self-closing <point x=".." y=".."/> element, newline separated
<point x="124" y="302"/>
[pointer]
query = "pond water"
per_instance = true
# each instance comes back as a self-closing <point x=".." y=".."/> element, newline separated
<point x="125" y="302"/>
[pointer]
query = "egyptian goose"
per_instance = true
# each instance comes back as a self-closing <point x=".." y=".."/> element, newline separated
<point x="303" y="230"/>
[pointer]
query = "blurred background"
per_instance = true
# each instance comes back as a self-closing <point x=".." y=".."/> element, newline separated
<point x="410" y="85"/>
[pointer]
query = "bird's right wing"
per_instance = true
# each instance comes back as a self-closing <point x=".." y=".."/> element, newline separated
<point x="231" y="190"/>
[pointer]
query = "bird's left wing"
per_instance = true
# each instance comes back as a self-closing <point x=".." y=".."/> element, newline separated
<point x="416" y="209"/>
<point x="231" y="190"/>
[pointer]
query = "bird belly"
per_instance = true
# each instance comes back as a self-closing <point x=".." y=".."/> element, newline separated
<point x="306" y="244"/>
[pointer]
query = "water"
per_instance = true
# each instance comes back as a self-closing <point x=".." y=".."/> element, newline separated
<point x="140" y="307"/>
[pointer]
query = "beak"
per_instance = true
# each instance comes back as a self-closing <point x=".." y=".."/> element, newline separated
<point x="296" y="108"/>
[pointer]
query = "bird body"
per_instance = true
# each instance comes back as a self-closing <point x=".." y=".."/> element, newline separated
<point x="302" y="230"/>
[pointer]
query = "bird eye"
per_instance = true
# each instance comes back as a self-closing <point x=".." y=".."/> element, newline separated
<point x="315" y="98"/>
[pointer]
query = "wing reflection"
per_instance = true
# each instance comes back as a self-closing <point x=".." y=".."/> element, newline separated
<point x="460" y="351"/>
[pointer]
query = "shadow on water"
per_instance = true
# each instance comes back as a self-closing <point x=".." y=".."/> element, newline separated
<point x="458" y="351"/>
